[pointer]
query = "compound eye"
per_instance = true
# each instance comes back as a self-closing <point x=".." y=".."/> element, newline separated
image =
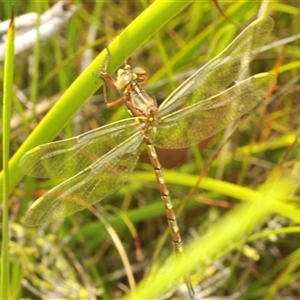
<point x="120" y="72"/>
<point x="124" y="78"/>
<point x="140" y="74"/>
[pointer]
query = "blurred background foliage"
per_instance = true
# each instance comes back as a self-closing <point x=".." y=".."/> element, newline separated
<point x="75" y="257"/>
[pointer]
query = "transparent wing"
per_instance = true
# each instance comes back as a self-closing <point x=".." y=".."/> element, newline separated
<point x="220" y="72"/>
<point x="89" y="186"/>
<point x="68" y="157"/>
<point x="202" y="120"/>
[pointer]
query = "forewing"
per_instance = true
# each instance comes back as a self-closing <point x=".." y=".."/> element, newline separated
<point x="88" y="187"/>
<point x="202" y="120"/>
<point x="224" y="69"/>
<point x="68" y="157"/>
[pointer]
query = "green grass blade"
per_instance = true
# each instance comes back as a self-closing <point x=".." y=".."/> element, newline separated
<point x="232" y="229"/>
<point x="144" y="26"/>
<point x="7" y="100"/>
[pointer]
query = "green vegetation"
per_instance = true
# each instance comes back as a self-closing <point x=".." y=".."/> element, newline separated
<point x="237" y="200"/>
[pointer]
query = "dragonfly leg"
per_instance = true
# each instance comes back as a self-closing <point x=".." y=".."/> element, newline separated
<point x="103" y="66"/>
<point x="105" y="76"/>
<point x="113" y="103"/>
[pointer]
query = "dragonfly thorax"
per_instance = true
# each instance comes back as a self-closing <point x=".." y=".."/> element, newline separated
<point x="140" y="103"/>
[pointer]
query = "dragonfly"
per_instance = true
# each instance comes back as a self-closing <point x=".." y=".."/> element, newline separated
<point x="99" y="161"/>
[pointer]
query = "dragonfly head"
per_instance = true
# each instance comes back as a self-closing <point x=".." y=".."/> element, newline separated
<point x="128" y="76"/>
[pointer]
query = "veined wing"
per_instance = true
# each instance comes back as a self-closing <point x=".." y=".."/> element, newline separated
<point x="68" y="157"/>
<point x="224" y="69"/>
<point x="89" y="186"/>
<point x="202" y="120"/>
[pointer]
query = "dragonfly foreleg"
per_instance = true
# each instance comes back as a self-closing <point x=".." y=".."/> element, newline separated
<point x="105" y="76"/>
